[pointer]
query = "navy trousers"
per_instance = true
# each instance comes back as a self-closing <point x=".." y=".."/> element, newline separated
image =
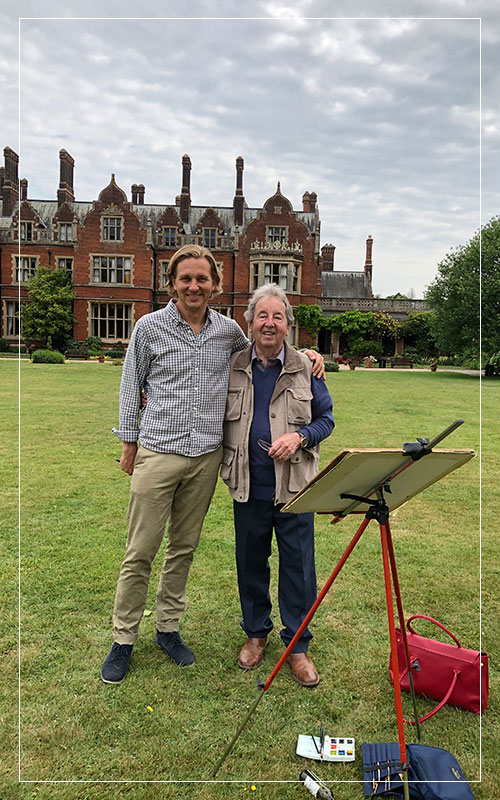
<point x="254" y="522"/>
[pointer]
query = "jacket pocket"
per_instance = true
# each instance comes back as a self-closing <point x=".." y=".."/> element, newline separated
<point x="233" y="404"/>
<point x="229" y="466"/>
<point x="303" y="467"/>
<point x="298" y="406"/>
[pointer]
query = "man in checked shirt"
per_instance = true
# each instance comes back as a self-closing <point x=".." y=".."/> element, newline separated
<point x="179" y="356"/>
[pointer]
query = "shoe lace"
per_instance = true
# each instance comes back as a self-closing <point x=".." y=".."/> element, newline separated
<point x="119" y="651"/>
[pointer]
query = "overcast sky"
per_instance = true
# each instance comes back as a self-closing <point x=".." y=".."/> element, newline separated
<point x="380" y="117"/>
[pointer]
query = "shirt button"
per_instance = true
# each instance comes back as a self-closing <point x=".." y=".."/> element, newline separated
<point x="273" y="415"/>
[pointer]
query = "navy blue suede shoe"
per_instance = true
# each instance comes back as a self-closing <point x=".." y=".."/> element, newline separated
<point x="175" y="648"/>
<point x="115" y="667"/>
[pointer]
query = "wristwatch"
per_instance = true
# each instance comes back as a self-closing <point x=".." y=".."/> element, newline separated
<point x="303" y="440"/>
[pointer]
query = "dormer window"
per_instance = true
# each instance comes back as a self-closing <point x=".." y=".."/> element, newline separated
<point x="169" y="237"/>
<point x="65" y="232"/>
<point x="112" y="229"/>
<point x="26" y="231"/>
<point x="209" y="237"/>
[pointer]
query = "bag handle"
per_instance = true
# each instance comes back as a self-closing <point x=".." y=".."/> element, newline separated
<point x="430" y="619"/>
<point x="456" y="673"/>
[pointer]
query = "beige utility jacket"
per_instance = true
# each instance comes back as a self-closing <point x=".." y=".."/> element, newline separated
<point x="289" y="410"/>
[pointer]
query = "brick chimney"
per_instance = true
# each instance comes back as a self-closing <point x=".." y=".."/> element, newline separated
<point x="239" y="199"/>
<point x="185" y="192"/>
<point x="137" y="192"/>
<point x="327" y="257"/>
<point x="65" y="192"/>
<point x="24" y="189"/>
<point x="10" y="191"/>
<point x="306" y="202"/>
<point x="2" y="176"/>
<point x="368" y="258"/>
<point x="313" y="199"/>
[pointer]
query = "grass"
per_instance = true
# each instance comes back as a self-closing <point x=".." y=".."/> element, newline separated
<point x="74" y="500"/>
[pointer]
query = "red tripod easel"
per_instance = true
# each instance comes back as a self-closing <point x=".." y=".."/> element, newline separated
<point x="400" y="488"/>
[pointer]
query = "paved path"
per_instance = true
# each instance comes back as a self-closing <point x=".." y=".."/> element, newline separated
<point x="474" y="372"/>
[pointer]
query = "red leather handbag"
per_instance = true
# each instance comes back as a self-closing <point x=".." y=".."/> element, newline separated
<point x="442" y="671"/>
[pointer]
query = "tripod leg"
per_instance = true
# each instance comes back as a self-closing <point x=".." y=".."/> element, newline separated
<point x="394" y="653"/>
<point x="404" y="638"/>
<point x="297" y="636"/>
<point x="317" y="602"/>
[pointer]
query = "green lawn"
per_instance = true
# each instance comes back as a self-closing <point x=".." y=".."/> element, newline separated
<point x="74" y="501"/>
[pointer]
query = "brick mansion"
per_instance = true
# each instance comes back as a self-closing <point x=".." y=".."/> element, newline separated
<point x="116" y="251"/>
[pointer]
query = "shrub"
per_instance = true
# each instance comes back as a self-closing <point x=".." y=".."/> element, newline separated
<point x="47" y="357"/>
<point x="365" y="347"/>
<point x="114" y="353"/>
<point x="4" y="346"/>
<point x="331" y="366"/>
<point x="93" y="343"/>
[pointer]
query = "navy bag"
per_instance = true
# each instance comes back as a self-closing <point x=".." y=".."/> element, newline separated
<point x="433" y="773"/>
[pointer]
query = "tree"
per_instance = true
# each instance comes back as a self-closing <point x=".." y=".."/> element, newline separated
<point x="417" y="332"/>
<point x="455" y="295"/>
<point x="48" y="316"/>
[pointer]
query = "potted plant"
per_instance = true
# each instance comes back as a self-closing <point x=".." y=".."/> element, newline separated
<point x="351" y="362"/>
<point x="433" y="366"/>
<point x="369" y="361"/>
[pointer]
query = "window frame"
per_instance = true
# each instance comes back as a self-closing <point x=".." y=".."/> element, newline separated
<point x="118" y="219"/>
<point x="272" y="236"/>
<point x="170" y="243"/>
<point x="23" y="236"/>
<point x="209" y="238"/>
<point x="16" y="267"/>
<point x="101" y="267"/>
<point x="15" y="317"/>
<point x="96" y="320"/>
<point x="67" y="227"/>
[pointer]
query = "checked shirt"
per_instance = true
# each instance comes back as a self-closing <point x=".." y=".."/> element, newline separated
<point x="185" y="376"/>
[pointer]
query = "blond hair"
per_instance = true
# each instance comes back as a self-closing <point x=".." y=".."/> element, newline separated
<point x="193" y="251"/>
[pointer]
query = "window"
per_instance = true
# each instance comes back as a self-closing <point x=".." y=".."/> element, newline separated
<point x="26" y="231"/>
<point x="276" y="273"/>
<point x="112" y="229"/>
<point x="112" y="269"/>
<point x="254" y="277"/>
<point x="67" y="265"/>
<point x="284" y="274"/>
<point x="163" y="273"/>
<point x="276" y="235"/>
<point x="169" y="236"/>
<point x="111" y="320"/>
<point x="65" y="232"/>
<point x="24" y="267"/>
<point x="224" y="310"/>
<point x="11" y="325"/>
<point x="209" y="235"/>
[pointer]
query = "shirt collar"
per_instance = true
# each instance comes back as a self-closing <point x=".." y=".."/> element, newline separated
<point x="173" y="312"/>
<point x="280" y="356"/>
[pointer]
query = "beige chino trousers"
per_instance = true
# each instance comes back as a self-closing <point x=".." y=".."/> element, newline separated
<point x="164" y="486"/>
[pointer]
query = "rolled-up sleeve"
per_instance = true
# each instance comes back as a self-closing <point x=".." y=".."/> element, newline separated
<point x="135" y="370"/>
